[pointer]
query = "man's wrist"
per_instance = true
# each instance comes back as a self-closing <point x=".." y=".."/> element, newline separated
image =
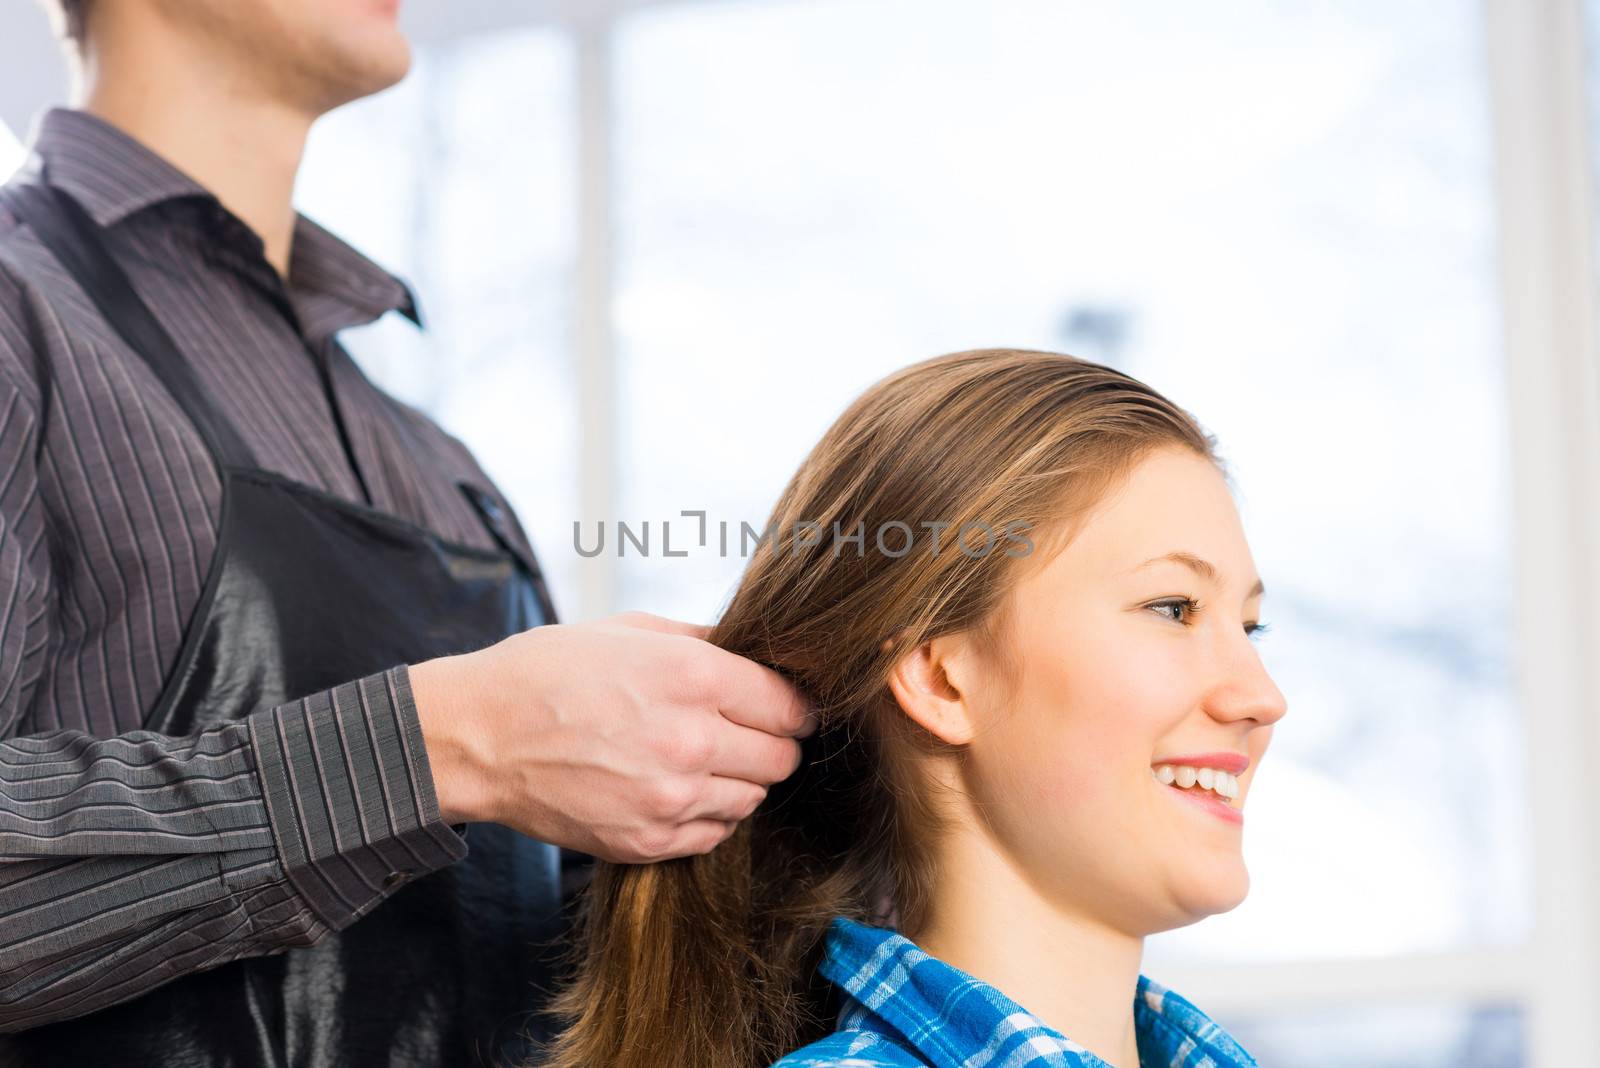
<point x="444" y="703"/>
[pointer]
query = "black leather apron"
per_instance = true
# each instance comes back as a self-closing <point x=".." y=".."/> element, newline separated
<point x="306" y="591"/>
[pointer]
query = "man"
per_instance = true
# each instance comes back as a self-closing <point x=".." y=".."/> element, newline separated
<point x="285" y="756"/>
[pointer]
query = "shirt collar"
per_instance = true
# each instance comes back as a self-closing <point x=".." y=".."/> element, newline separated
<point x="114" y="176"/>
<point x="954" y="1020"/>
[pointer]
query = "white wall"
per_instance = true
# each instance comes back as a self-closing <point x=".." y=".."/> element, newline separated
<point x="33" y="73"/>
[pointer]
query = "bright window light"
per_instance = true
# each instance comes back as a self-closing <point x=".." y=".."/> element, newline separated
<point x="11" y="152"/>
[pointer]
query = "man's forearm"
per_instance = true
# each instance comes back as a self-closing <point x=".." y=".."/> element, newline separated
<point x="128" y="861"/>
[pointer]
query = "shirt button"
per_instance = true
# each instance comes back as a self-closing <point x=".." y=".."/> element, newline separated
<point x="395" y="878"/>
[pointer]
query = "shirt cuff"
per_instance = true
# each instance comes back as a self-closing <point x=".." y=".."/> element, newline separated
<point x="350" y="796"/>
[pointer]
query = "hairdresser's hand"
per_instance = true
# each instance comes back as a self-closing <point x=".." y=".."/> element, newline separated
<point x="631" y="739"/>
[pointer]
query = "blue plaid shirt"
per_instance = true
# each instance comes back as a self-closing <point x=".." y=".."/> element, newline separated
<point x="905" y="1009"/>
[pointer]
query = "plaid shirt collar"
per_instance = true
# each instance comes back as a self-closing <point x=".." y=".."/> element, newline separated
<point x="954" y="1020"/>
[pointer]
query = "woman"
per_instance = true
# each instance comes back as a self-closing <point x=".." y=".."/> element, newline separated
<point x="1030" y="757"/>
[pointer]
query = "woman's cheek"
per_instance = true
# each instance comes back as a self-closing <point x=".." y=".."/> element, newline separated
<point x="1030" y="776"/>
<point x="1066" y="791"/>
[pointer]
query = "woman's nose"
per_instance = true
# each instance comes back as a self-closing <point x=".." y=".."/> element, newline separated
<point x="1247" y="690"/>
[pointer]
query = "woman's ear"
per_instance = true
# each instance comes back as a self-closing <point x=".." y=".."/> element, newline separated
<point x="934" y="685"/>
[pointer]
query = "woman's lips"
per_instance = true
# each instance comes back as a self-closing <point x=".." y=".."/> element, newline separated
<point x="1232" y="763"/>
<point x="1207" y="800"/>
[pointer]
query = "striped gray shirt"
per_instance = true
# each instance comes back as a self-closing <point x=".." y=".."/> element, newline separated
<point x="129" y="858"/>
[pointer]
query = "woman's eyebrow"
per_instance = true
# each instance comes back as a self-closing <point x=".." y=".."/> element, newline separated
<point x="1204" y="568"/>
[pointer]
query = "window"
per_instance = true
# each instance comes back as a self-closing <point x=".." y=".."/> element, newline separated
<point x="10" y="152"/>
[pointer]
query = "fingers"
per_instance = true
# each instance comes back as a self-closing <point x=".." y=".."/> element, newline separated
<point x="753" y="755"/>
<point x="729" y="800"/>
<point x="748" y="693"/>
<point x="661" y="624"/>
<point x="696" y="836"/>
<point x="702" y="836"/>
<point x="755" y="696"/>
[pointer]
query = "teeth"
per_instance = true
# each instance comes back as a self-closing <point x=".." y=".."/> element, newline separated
<point x="1183" y="776"/>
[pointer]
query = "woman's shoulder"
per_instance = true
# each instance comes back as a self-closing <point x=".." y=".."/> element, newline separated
<point x="852" y="1049"/>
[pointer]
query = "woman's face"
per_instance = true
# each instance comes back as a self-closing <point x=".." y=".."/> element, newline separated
<point x="1117" y="676"/>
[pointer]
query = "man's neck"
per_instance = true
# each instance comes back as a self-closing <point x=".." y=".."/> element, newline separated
<point x="235" y="141"/>
<point x="1076" y="975"/>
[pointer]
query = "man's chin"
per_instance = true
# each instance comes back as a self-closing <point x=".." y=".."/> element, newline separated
<point x="364" y="74"/>
<point x="388" y="74"/>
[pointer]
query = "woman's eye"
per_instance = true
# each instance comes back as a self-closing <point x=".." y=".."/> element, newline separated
<point x="1180" y="610"/>
<point x="1183" y="610"/>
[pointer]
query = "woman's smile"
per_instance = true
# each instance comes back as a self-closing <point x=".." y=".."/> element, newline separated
<point x="1210" y="779"/>
<point x="1204" y="799"/>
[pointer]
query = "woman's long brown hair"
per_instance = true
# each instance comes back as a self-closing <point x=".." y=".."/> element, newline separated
<point x="710" y="961"/>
